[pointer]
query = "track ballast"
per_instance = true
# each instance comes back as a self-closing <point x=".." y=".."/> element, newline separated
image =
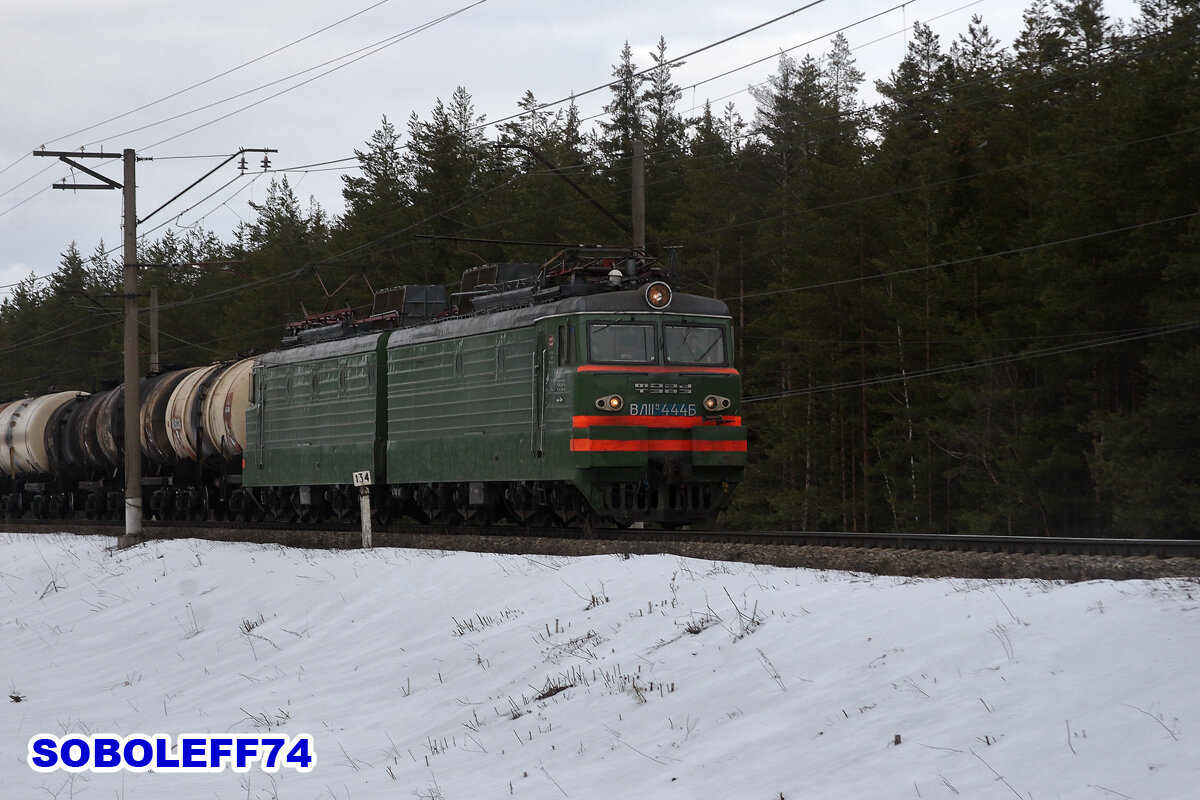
<point x="915" y="555"/>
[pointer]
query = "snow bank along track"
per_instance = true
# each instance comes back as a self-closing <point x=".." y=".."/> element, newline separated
<point x="921" y="555"/>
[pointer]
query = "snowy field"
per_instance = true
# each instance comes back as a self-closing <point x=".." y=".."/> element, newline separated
<point x="436" y="675"/>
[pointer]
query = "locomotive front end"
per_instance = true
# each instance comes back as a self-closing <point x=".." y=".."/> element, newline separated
<point x="657" y="432"/>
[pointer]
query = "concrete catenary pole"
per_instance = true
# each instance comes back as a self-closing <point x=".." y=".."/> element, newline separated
<point x="133" y="439"/>
<point x="639" y="194"/>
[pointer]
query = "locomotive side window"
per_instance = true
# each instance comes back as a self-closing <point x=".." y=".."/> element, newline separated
<point x="694" y="344"/>
<point x="566" y="345"/>
<point x="621" y="344"/>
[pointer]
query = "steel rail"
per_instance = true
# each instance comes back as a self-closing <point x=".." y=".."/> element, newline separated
<point x="329" y="533"/>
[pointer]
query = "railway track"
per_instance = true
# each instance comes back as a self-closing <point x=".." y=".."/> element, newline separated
<point x="885" y="553"/>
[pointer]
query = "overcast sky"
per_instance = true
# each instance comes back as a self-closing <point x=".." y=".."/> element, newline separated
<point x="313" y="79"/>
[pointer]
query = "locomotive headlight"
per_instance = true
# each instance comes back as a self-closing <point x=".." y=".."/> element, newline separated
<point x="613" y="402"/>
<point x="714" y="402"/>
<point x="658" y="295"/>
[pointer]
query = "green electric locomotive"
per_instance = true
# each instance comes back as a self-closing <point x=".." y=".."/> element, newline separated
<point x="579" y="391"/>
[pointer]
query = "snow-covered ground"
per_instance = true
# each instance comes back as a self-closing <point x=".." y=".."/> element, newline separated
<point x="417" y="674"/>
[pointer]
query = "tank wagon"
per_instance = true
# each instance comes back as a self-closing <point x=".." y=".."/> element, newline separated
<point x="579" y="391"/>
<point x="63" y="454"/>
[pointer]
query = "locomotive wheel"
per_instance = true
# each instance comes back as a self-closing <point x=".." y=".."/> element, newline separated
<point x="521" y="505"/>
<point x="437" y="504"/>
<point x="480" y="515"/>
<point x="445" y="516"/>
<point x="384" y="508"/>
<point x="253" y="510"/>
<point x="237" y="505"/>
<point x="416" y="512"/>
<point x="244" y="506"/>
<point x="314" y="511"/>
<point x="473" y="515"/>
<point x="543" y="517"/>
<point x="343" y="501"/>
<point x="279" y="506"/>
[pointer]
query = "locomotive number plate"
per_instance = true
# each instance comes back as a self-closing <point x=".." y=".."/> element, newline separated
<point x="662" y="409"/>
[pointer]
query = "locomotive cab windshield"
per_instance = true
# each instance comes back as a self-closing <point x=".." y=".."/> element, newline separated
<point x="694" y="345"/>
<point x="637" y="343"/>
<point x="622" y="343"/>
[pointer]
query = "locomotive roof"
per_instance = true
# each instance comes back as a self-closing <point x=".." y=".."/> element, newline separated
<point x="618" y="302"/>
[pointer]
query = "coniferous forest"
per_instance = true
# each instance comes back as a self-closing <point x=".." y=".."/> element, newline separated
<point x="973" y="306"/>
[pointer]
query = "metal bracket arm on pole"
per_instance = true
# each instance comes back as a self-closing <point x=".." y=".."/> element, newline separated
<point x="69" y="160"/>
<point x="193" y="184"/>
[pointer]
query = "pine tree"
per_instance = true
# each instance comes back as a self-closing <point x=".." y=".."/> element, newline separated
<point x="543" y="157"/>
<point x="448" y="160"/>
<point x="378" y="210"/>
<point x="1145" y="452"/>
<point x="280" y="247"/>
<point x="625" y="123"/>
<point x="665" y="133"/>
<point x="193" y="275"/>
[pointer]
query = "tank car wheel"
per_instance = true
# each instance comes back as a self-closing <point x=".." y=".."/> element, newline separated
<point x="91" y="506"/>
<point x="115" y="508"/>
<point x="197" y="503"/>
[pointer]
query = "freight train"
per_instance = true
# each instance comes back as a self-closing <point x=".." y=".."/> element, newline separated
<point x="579" y="391"/>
